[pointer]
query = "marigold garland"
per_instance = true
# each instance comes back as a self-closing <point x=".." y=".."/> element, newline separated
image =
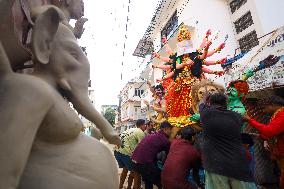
<point x="181" y="121"/>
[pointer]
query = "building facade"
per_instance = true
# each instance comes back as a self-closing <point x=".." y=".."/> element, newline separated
<point x="244" y="22"/>
<point x="170" y="15"/>
<point x="259" y="31"/>
<point x="254" y="18"/>
<point x="130" y="104"/>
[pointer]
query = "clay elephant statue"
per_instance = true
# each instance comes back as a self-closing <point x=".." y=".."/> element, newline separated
<point x="16" y="24"/>
<point x="42" y="146"/>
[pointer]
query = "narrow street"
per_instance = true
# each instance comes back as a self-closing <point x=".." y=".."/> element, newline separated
<point x="186" y="94"/>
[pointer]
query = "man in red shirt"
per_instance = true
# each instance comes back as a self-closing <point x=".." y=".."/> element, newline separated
<point x="181" y="159"/>
<point x="274" y="130"/>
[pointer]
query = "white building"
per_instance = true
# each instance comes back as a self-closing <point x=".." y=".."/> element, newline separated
<point x="130" y="104"/>
<point x="244" y="21"/>
<point x="259" y="30"/>
<point x="199" y="16"/>
<point x="271" y="78"/>
<point x="254" y="18"/>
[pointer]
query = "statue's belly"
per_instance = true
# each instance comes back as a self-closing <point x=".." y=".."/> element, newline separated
<point x="84" y="163"/>
<point x="61" y="124"/>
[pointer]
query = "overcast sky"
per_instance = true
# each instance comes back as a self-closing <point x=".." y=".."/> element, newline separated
<point x="104" y="37"/>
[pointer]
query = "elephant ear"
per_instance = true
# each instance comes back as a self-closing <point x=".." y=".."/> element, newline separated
<point x="44" y="30"/>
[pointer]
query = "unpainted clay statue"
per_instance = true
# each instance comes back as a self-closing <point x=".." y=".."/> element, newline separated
<point x="13" y="27"/>
<point x="41" y="143"/>
<point x="16" y="24"/>
<point x="74" y="9"/>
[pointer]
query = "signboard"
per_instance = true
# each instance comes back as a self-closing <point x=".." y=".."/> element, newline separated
<point x="266" y="78"/>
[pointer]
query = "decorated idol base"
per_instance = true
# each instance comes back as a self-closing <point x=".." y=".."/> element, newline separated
<point x="181" y="121"/>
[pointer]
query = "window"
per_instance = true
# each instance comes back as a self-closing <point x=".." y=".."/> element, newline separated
<point x="248" y="41"/>
<point x="244" y="22"/>
<point x="138" y="92"/>
<point x="236" y="4"/>
<point x="126" y="112"/>
<point x="170" y="26"/>
<point x="137" y="110"/>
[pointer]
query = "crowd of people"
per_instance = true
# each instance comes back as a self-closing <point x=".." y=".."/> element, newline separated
<point x="217" y="152"/>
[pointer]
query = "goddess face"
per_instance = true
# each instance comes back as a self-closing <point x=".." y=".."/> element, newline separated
<point x="184" y="47"/>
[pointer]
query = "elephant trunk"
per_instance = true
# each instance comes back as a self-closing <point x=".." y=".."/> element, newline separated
<point x="83" y="105"/>
<point x="4" y="62"/>
<point x="96" y="133"/>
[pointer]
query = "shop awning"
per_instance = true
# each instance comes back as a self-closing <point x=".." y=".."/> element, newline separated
<point x="271" y="77"/>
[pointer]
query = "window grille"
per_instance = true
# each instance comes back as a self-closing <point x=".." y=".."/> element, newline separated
<point x="236" y="4"/>
<point x="138" y="92"/>
<point x="248" y="41"/>
<point x="244" y="22"/>
<point x="170" y="26"/>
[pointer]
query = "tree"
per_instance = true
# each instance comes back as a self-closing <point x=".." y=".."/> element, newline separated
<point x="110" y="115"/>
